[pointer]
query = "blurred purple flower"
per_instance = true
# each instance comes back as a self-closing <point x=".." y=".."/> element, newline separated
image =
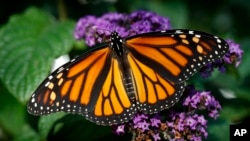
<point x="195" y="138"/>
<point x="178" y="124"/>
<point x="191" y="122"/>
<point x="201" y="120"/>
<point x="234" y="54"/>
<point x="206" y="71"/>
<point x="155" y="122"/>
<point x="139" y="117"/>
<point x="170" y="123"/>
<point x="142" y="125"/>
<point x="120" y="130"/>
<point x="203" y="100"/>
<point x="156" y="137"/>
<point x="203" y="131"/>
<point x="97" y="29"/>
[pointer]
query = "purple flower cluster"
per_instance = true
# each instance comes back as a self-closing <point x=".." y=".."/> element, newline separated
<point x="177" y="124"/>
<point x="186" y="126"/>
<point x="206" y="71"/>
<point x="141" y="124"/>
<point x="234" y="55"/>
<point x="203" y="101"/>
<point x="97" y="29"/>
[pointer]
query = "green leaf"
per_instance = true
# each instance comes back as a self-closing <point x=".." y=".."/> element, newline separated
<point x="47" y="122"/>
<point x="26" y="133"/>
<point x="218" y="130"/>
<point x="234" y="112"/>
<point x="243" y="94"/>
<point x="29" y="42"/>
<point x="12" y="112"/>
<point x="244" y="68"/>
<point x="71" y="127"/>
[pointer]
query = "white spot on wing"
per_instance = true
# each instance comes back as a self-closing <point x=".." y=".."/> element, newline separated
<point x="60" y="69"/>
<point x="191" y="32"/>
<point x="178" y="31"/>
<point x="50" y="77"/>
<point x="33" y="100"/>
<point x="218" y="40"/>
<point x="197" y="35"/>
<point x="47" y="84"/>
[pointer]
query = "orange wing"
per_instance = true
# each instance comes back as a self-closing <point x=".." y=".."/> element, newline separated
<point x="176" y="54"/>
<point x="88" y="85"/>
<point x="113" y="104"/>
<point x="161" y="62"/>
<point x="153" y="92"/>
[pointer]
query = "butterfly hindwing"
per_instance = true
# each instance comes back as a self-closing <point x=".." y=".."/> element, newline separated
<point x="113" y="104"/>
<point x="154" y="93"/>
<point x="72" y="87"/>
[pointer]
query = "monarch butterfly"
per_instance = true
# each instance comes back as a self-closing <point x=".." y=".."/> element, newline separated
<point x="112" y="82"/>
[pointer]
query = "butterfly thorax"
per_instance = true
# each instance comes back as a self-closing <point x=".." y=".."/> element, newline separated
<point x="116" y="44"/>
<point x="120" y="53"/>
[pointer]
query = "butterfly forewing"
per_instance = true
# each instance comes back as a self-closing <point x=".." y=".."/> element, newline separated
<point x="91" y="85"/>
<point x="176" y="54"/>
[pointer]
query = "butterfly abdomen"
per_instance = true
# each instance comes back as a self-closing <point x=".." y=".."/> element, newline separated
<point x="129" y="86"/>
<point x="120" y="53"/>
<point x="127" y="78"/>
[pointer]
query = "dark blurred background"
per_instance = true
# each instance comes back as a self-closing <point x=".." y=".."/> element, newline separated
<point x="220" y="16"/>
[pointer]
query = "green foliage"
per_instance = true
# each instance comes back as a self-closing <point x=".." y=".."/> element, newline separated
<point x="167" y="9"/>
<point x="218" y="130"/>
<point x="30" y="40"/>
<point x="47" y="122"/>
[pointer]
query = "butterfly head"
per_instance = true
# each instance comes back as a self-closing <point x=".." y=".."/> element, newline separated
<point x="116" y="43"/>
